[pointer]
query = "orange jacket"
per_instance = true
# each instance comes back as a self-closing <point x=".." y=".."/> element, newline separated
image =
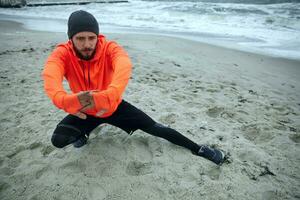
<point x="108" y="71"/>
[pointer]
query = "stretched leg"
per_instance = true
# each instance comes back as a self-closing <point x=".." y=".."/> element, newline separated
<point x="72" y="128"/>
<point x="171" y="135"/>
<point x="129" y="118"/>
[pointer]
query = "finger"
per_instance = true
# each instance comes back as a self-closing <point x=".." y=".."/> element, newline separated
<point x="94" y="90"/>
<point x="92" y="100"/>
<point x="85" y="107"/>
<point x="80" y="115"/>
<point x="84" y="103"/>
<point x="83" y="93"/>
<point x="90" y="105"/>
<point x="84" y="98"/>
<point x="101" y="112"/>
<point x="86" y="95"/>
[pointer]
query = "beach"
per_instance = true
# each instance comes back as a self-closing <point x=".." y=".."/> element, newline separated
<point x="243" y="103"/>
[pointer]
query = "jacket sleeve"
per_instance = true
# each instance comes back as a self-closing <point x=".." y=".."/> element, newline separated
<point x="53" y="74"/>
<point x="108" y="99"/>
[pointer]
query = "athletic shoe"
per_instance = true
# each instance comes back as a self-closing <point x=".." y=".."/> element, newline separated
<point x="80" y="142"/>
<point x="211" y="154"/>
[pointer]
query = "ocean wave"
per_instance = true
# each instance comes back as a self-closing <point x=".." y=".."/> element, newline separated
<point x="276" y="25"/>
<point x="234" y="1"/>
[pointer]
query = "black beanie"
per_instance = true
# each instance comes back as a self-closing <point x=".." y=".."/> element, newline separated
<point x="82" y="21"/>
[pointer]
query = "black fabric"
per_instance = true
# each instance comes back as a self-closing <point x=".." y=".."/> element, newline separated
<point x="82" y="21"/>
<point x="127" y="117"/>
<point x="171" y="135"/>
<point x="65" y="134"/>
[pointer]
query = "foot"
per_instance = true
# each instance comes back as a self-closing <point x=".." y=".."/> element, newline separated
<point x="211" y="154"/>
<point x="80" y="142"/>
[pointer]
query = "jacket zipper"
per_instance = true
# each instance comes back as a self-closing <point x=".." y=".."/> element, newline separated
<point x="83" y="71"/>
<point x="89" y="65"/>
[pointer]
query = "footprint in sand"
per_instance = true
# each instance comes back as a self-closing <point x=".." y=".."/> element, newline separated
<point x="74" y="166"/>
<point x="214" y="112"/>
<point x="44" y="149"/>
<point x="14" y="162"/>
<point x="143" y="151"/>
<point x="256" y="134"/>
<point x="228" y="115"/>
<point x="40" y="172"/>
<point x="212" y="90"/>
<point x="35" y="145"/>
<point x="137" y="168"/>
<point x="4" y="186"/>
<point x="1" y="161"/>
<point x="97" y="191"/>
<point x="178" y="98"/>
<point x="15" y="152"/>
<point x="7" y="171"/>
<point x="250" y="173"/>
<point x="168" y="119"/>
<point x="295" y="137"/>
<point x="271" y="195"/>
<point x="279" y="127"/>
<point x="47" y="149"/>
<point x="214" y="173"/>
<point x="8" y="166"/>
<point x="251" y="132"/>
<point x="282" y="109"/>
<point x="19" y="149"/>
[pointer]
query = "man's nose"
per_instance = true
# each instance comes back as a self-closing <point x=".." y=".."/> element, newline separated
<point x="86" y="44"/>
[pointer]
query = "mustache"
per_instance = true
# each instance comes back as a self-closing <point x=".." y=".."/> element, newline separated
<point x="87" y="49"/>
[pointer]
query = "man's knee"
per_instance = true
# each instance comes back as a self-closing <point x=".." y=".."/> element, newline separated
<point x="156" y="126"/>
<point x="64" y="135"/>
<point x="155" y="129"/>
<point x="59" y="141"/>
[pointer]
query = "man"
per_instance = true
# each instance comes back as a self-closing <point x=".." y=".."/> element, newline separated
<point x="98" y="71"/>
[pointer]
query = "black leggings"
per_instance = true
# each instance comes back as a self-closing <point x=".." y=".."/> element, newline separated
<point x="171" y="135"/>
<point x="126" y="117"/>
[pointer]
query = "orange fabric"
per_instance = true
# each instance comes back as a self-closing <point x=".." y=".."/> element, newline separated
<point x="108" y="71"/>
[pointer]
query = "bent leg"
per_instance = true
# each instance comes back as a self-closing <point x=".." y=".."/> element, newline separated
<point x="64" y="135"/>
<point x="71" y="128"/>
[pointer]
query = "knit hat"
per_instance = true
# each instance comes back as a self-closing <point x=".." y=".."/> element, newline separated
<point x="82" y="21"/>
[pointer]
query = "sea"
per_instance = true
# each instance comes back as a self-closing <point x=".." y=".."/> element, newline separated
<point x="268" y="27"/>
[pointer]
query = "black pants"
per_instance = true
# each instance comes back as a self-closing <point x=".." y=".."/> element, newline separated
<point x="127" y="117"/>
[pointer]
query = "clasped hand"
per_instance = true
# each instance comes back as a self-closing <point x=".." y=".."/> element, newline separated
<point x="87" y="102"/>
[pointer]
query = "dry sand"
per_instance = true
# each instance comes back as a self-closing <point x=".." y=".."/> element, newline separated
<point x="246" y="104"/>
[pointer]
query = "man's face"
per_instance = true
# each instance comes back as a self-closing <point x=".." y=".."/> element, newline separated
<point x="85" y="44"/>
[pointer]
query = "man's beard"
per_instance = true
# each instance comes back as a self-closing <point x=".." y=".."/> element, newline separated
<point x="85" y="57"/>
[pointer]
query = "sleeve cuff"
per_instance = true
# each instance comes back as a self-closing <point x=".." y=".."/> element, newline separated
<point x="71" y="103"/>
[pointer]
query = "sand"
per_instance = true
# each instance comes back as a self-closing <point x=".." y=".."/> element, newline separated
<point x="246" y="104"/>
